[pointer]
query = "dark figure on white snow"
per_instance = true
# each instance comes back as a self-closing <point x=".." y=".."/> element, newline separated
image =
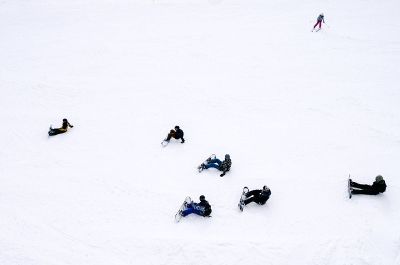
<point x="223" y="166"/>
<point x="320" y="19"/>
<point x="63" y="129"/>
<point x="258" y="196"/>
<point x="176" y="134"/>
<point x="203" y="208"/>
<point x="379" y="186"/>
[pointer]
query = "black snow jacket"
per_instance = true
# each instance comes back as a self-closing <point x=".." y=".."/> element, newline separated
<point x="178" y="134"/>
<point x="379" y="186"/>
<point x="264" y="196"/>
<point x="206" y="206"/>
<point x="259" y="196"/>
<point x="65" y="125"/>
<point x="225" y="166"/>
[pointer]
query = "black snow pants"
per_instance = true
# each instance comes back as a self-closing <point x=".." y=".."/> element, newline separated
<point x="254" y="196"/>
<point x="363" y="189"/>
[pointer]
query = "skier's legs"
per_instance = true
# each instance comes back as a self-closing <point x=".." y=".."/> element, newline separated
<point x="187" y="211"/>
<point x="366" y="192"/>
<point x="57" y="131"/>
<point x="320" y="23"/>
<point x="316" y="24"/>
<point x="170" y="135"/>
<point x="216" y="160"/>
<point x="361" y="186"/>
<point x="249" y="200"/>
<point x="251" y="193"/>
<point x="192" y="208"/>
<point x="207" y="166"/>
<point x="214" y="163"/>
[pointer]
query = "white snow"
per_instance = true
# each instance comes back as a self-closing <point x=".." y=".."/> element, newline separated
<point x="296" y="110"/>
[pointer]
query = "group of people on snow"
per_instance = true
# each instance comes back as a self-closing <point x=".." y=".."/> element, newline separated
<point x="258" y="196"/>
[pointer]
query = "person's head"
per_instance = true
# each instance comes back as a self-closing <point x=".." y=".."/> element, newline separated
<point x="64" y="120"/>
<point x="379" y="178"/>
<point x="227" y="157"/>
<point x="202" y="198"/>
<point x="265" y="188"/>
<point x="176" y="127"/>
<point x="322" y="14"/>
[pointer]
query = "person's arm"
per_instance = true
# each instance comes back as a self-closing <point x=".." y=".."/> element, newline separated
<point x="71" y="126"/>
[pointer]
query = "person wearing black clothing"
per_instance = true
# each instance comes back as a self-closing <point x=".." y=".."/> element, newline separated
<point x="379" y="186"/>
<point x="63" y="129"/>
<point x="258" y="196"/>
<point x="223" y="166"/>
<point x="177" y="134"/>
<point x="203" y="208"/>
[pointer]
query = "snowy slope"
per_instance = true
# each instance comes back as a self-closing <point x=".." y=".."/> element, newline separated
<point x="296" y="110"/>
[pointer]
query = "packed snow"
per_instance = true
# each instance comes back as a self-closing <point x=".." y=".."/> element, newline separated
<point x="296" y="110"/>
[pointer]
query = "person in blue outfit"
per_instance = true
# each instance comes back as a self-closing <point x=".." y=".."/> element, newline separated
<point x="223" y="166"/>
<point x="203" y="208"/>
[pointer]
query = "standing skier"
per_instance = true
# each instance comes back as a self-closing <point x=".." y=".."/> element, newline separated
<point x="379" y="186"/>
<point x="177" y="134"/>
<point x="63" y="129"/>
<point x="258" y="196"/>
<point x="203" y="208"/>
<point x="223" y="166"/>
<point x="320" y="19"/>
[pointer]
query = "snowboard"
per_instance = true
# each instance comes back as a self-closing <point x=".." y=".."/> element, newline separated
<point x="200" y="168"/>
<point x="349" y="188"/>
<point x="183" y="207"/>
<point x="242" y="198"/>
<point x="164" y="143"/>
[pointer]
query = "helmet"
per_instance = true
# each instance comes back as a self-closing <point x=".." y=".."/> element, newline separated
<point x="379" y="178"/>
<point x="64" y="119"/>
<point x="265" y="188"/>
<point x="227" y="156"/>
<point x="202" y="198"/>
<point x="176" y="127"/>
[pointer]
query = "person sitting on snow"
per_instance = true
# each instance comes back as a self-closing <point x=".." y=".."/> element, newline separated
<point x="223" y="166"/>
<point x="63" y="129"/>
<point x="177" y="134"/>
<point x="203" y="208"/>
<point x="258" y="196"/>
<point x="379" y="186"/>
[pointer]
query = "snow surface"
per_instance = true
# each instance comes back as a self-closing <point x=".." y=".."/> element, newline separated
<point x="297" y="111"/>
